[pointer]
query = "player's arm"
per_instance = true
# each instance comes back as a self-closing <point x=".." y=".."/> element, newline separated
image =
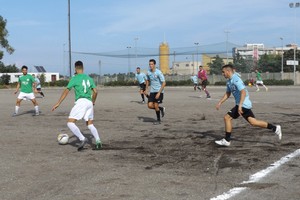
<point x="34" y="84"/>
<point x="160" y="90"/>
<point x="18" y="87"/>
<point x="147" y="85"/>
<point x="224" y="98"/>
<point x="243" y="95"/>
<point x="94" y="96"/>
<point x="62" y="97"/>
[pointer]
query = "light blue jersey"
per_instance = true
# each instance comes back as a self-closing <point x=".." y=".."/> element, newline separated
<point x="194" y="79"/>
<point x="37" y="82"/>
<point x="234" y="86"/>
<point x="156" y="79"/>
<point x="141" y="77"/>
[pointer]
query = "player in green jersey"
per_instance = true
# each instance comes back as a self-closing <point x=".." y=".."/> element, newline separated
<point x="27" y="84"/>
<point x="85" y="97"/>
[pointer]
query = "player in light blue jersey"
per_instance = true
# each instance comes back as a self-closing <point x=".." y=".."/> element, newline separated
<point x="194" y="79"/>
<point x="141" y="78"/>
<point x="157" y="83"/>
<point x="236" y="87"/>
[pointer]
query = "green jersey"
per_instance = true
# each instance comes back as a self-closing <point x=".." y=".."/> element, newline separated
<point x="83" y="85"/>
<point x="26" y="82"/>
<point x="258" y="76"/>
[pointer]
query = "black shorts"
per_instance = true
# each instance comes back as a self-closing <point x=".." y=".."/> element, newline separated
<point x="39" y="89"/>
<point x="152" y="97"/>
<point x="235" y="114"/>
<point x="204" y="83"/>
<point x="143" y="86"/>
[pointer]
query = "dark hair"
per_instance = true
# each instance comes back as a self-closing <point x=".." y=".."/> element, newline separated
<point x="152" y="60"/>
<point x="24" y="67"/>
<point x="228" y="66"/>
<point x="78" y="63"/>
<point x="138" y="68"/>
<point x="200" y="66"/>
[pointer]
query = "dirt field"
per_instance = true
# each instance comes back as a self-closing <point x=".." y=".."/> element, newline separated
<point x="175" y="160"/>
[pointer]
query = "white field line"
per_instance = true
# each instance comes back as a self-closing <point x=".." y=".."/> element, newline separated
<point x="257" y="176"/>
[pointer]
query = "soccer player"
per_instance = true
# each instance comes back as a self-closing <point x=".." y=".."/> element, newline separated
<point x="194" y="79"/>
<point x="38" y="85"/>
<point x="236" y="87"/>
<point x="85" y="97"/>
<point x="203" y="77"/>
<point x="27" y="84"/>
<point x="259" y="81"/>
<point x="157" y="83"/>
<point x="141" y="78"/>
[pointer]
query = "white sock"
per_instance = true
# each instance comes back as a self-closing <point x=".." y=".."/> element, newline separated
<point x="36" y="108"/>
<point x="75" y="130"/>
<point x="17" y="109"/>
<point x="94" y="132"/>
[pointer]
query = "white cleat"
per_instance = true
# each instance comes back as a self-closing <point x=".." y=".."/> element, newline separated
<point x="223" y="142"/>
<point x="278" y="132"/>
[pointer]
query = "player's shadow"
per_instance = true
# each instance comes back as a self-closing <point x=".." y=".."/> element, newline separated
<point x="146" y="119"/>
<point x="32" y="112"/>
<point x="74" y="141"/>
<point x="138" y="102"/>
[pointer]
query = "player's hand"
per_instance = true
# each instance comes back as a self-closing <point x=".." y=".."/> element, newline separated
<point x="55" y="106"/>
<point x="240" y="110"/>
<point x="157" y="95"/>
<point x="218" y="106"/>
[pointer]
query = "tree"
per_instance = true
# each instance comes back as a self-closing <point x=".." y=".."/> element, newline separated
<point x="269" y="63"/>
<point x="8" y="69"/>
<point x="242" y="65"/>
<point x="3" y="38"/>
<point x="289" y="55"/>
<point x="216" y="65"/>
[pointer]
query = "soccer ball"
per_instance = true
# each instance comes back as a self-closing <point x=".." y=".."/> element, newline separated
<point x="63" y="138"/>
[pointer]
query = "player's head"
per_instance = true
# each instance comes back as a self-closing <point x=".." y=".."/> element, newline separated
<point x="78" y="67"/>
<point x="227" y="70"/>
<point x="138" y="70"/>
<point x="200" y="67"/>
<point x="33" y="75"/>
<point x="152" y="64"/>
<point x="24" y="69"/>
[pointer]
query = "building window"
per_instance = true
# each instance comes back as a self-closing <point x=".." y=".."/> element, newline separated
<point x="187" y="65"/>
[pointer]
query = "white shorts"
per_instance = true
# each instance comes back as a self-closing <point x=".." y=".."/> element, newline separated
<point x="259" y="82"/>
<point x="83" y="109"/>
<point x="23" y="95"/>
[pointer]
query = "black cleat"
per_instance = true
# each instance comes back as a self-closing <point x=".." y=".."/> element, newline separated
<point x="82" y="143"/>
<point x="157" y="122"/>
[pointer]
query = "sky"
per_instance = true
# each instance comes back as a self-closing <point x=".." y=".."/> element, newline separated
<point x="38" y="29"/>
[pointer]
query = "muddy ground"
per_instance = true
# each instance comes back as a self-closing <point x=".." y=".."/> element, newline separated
<point x="175" y="160"/>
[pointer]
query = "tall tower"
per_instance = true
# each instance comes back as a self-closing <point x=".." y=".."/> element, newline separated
<point x="164" y="52"/>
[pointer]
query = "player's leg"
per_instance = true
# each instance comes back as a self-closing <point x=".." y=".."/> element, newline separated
<point x="34" y="102"/>
<point x="204" y="84"/>
<point x="257" y="88"/>
<point x="142" y="95"/>
<point x="89" y="116"/>
<point x="232" y="114"/>
<point x="263" y="124"/>
<point x="17" y="107"/>
<point x="77" y="113"/>
<point x="161" y="109"/>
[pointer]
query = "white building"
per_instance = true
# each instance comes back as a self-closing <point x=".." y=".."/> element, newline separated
<point x="49" y="76"/>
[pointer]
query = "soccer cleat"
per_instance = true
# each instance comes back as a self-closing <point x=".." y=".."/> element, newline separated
<point x="15" y="114"/>
<point x="143" y="102"/>
<point x="98" y="145"/>
<point x="208" y="96"/>
<point x="267" y="89"/>
<point x="157" y="122"/>
<point x="257" y="90"/>
<point x="278" y="132"/>
<point x="223" y="142"/>
<point x="82" y="143"/>
<point x="37" y="114"/>
<point x="163" y="111"/>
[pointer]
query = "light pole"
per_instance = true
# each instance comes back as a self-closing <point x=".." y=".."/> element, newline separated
<point x="281" y="58"/>
<point x="99" y="80"/>
<point x="135" y="44"/>
<point x="226" y="31"/>
<point x="197" y="43"/>
<point x="64" y="67"/>
<point x="295" y="5"/>
<point x="69" y="31"/>
<point x="128" y="48"/>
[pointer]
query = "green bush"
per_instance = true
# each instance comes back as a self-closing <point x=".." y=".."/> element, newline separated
<point x="220" y="83"/>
